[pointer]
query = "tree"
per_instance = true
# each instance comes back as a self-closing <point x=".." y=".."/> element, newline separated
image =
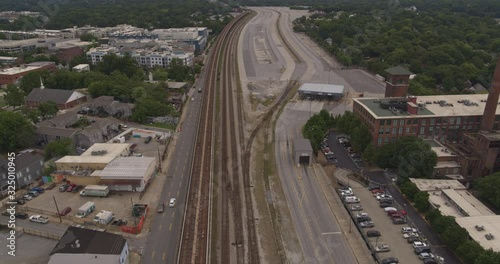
<point x="48" y="109"/>
<point x="488" y="188"/>
<point x="469" y="251"/>
<point x="360" y="138"/>
<point x="16" y="133"/>
<point x="58" y="148"/>
<point x="487" y="257"/>
<point x="442" y="223"/>
<point x="422" y="201"/>
<point x="432" y="215"/>
<point x="13" y="96"/>
<point x="455" y="235"/>
<point x="410" y="190"/>
<point x="30" y="81"/>
<point x="369" y="154"/>
<point x="411" y="156"/>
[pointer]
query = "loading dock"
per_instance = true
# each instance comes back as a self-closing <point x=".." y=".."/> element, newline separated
<point x="302" y="152"/>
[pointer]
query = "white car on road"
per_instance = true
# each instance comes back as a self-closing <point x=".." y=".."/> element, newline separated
<point x="39" y="219"/>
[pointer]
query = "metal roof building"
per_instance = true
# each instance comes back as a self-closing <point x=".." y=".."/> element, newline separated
<point x="302" y="151"/>
<point x="322" y="90"/>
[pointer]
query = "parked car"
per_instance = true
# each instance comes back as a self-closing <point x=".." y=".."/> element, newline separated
<point x="382" y="248"/>
<point x="425" y="255"/>
<point x="63" y="187"/>
<point x="367" y="224"/>
<point x="418" y="244"/>
<point x="5" y="213"/>
<point x="410" y="234"/>
<point x="148" y="139"/>
<point x="77" y="188"/>
<point x="21" y="215"/>
<point x="33" y="193"/>
<point x="27" y="197"/>
<point x="373" y="233"/>
<point x="382" y="196"/>
<point x="390" y="260"/>
<point x="385" y="204"/>
<point x="51" y="186"/>
<point x="407" y="229"/>
<point x="20" y="201"/>
<point x="412" y="239"/>
<point x="71" y="187"/>
<point x="398" y="221"/>
<point x="429" y="261"/>
<point x="373" y="187"/>
<point x="421" y="250"/>
<point x="356" y="207"/>
<point x="38" y="189"/>
<point x="39" y="219"/>
<point x="65" y="211"/>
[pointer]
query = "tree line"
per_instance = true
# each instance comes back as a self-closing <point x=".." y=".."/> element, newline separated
<point x="448" y="45"/>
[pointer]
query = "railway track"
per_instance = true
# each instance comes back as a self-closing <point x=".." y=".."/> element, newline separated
<point x="195" y="231"/>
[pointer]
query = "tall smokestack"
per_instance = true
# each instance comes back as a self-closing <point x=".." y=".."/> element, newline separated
<point x="492" y="102"/>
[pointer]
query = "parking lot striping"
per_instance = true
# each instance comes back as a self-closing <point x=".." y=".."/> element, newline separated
<point x="159" y="227"/>
<point x="180" y="183"/>
<point x="153" y="254"/>
<point x="168" y="194"/>
<point x="178" y="193"/>
<point x="173" y="214"/>
<point x="164" y="255"/>
<point x="331" y="233"/>
<point x="170" y="228"/>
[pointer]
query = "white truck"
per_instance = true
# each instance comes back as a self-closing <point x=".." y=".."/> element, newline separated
<point x="95" y="190"/>
<point x="85" y="210"/>
<point x="39" y="219"/>
<point x="104" y="217"/>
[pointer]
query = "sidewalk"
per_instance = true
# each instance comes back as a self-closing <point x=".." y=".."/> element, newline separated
<point x="356" y="242"/>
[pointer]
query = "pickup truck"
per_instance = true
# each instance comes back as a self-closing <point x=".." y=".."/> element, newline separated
<point x="39" y="219"/>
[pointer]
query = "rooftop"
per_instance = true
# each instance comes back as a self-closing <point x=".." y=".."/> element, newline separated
<point x="447" y="164"/>
<point x="398" y="70"/>
<point x="104" y="153"/>
<point x="431" y="106"/>
<point x="176" y="85"/>
<point x="436" y="184"/>
<point x="16" y="70"/>
<point x="302" y="144"/>
<point x="440" y="150"/>
<point x="321" y="89"/>
<point x="491" y="225"/>
<point x="80" y="66"/>
<point x="467" y="203"/>
<point x="129" y="167"/>
<point x="55" y="95"/>
<point x="85" y="241"/>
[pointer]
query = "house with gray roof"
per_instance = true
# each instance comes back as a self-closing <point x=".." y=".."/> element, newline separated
<point x="64" y="99"/>
<point x="107" y="105"/>
<point x="84" y="246"/>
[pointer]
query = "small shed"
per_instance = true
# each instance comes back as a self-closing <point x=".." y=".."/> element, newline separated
<point x="302" y="152"/>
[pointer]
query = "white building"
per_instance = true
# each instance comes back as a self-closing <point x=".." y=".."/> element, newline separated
<point x="127" y="173"/>
<point x="151" y="59"/>
<point x="96" y="55"/>
<point x="81" y="68"/>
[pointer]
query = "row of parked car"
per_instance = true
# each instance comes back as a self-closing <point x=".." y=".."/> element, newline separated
<point x="412" y="235"/>
<point x="329" y="154"/>
<point x="365" y="221"/>
<point x="344" y="142"/>
<point x="70" y="188"/>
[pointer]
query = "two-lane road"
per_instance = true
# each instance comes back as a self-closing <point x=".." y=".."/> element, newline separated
<point x="163" y="241"/>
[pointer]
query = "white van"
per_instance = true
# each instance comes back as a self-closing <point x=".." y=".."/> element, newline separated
<point x="351" y="199"/>
<point x="390" y="209"/>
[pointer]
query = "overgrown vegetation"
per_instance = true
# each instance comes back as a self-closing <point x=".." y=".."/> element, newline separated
<point x="58" y="148"/>
<point x="488" y="189"/>
<point x="16" y="133"/>
<point x="448" y="44"/>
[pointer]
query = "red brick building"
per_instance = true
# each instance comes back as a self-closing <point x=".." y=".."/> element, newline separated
<point x="397" y="82"/>
<point x="64" y="99"/>
<point x="68" y="52"/>
<point x="14" y="74"/>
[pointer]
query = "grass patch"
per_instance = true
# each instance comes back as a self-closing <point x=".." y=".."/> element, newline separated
<point x="165" y="126"/>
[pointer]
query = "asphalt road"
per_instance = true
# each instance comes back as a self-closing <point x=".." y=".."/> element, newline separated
<point x="163" y="241"/>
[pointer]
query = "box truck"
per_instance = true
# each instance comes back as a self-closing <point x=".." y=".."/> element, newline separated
<point x="85" y="210"/>
<point x="104" y="217"/>
<point x="95" y="190"/>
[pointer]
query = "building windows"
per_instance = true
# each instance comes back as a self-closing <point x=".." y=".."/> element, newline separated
<point x="386" y="140"/>
<point x="401" y="122"/>
<point x="379" y="142"/>
<point x="382" y="122"/>
<point x="422" y="130"/>
<point x="408" y="122"/>
<point x="415" y="121"/>
<point x="400" y="130"/>
<point x="432" y="121"/>
<point x="459" y="119"/>
<point x="381" y="131"/>
<point x="431" y="129"/>
<point x="469" y="127"/>
<point x="407" y="130"/>
<point x="394" y="131"/>
<point x="424" y="121"/>
<point x="387" y="130"/>
<point x="452" y="120"/>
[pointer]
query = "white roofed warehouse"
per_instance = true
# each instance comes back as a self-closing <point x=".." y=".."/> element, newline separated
<point x="128" y="173"/>
<point x="319" y="91"/>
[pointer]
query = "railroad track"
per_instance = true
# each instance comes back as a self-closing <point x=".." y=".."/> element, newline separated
<point x="195" y="231"/>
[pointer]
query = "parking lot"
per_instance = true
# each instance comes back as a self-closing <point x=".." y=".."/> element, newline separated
<point x="391" y="234"/>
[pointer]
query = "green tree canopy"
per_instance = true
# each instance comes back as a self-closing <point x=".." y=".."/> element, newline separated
<point x="16" y="133"/>
<point x="58" y="148"/>
<point x="14" y="96"/>
<point x="488" y="189"/>
<point x="31" y="80"/>
<point x="48" y="109"/>
<point x="469" y="251"/>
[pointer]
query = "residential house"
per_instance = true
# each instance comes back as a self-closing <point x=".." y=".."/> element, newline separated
<point x="83" y="246"/>
<point x="29" y="167"/>
<point x="108" y="106"/>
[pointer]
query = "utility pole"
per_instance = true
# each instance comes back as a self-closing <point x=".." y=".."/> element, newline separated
<point x="57" y="208"/>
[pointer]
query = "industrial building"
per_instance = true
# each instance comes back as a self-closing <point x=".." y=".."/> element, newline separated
<point x="14" y="74"/>
<point x="302" y="152"/>
<point x="97" y="157"/>
<point x="321" y="91"/>
<point x="453" y="199"/>
<point x="128" y="174"/>
<point x="83" y="246"/>
<point x="467" y="124"/>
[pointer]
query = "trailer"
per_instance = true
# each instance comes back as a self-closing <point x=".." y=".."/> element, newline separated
<point x="95" y="190"/>
<point x="85" y="210"/>
<point x="104" y="217"/>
